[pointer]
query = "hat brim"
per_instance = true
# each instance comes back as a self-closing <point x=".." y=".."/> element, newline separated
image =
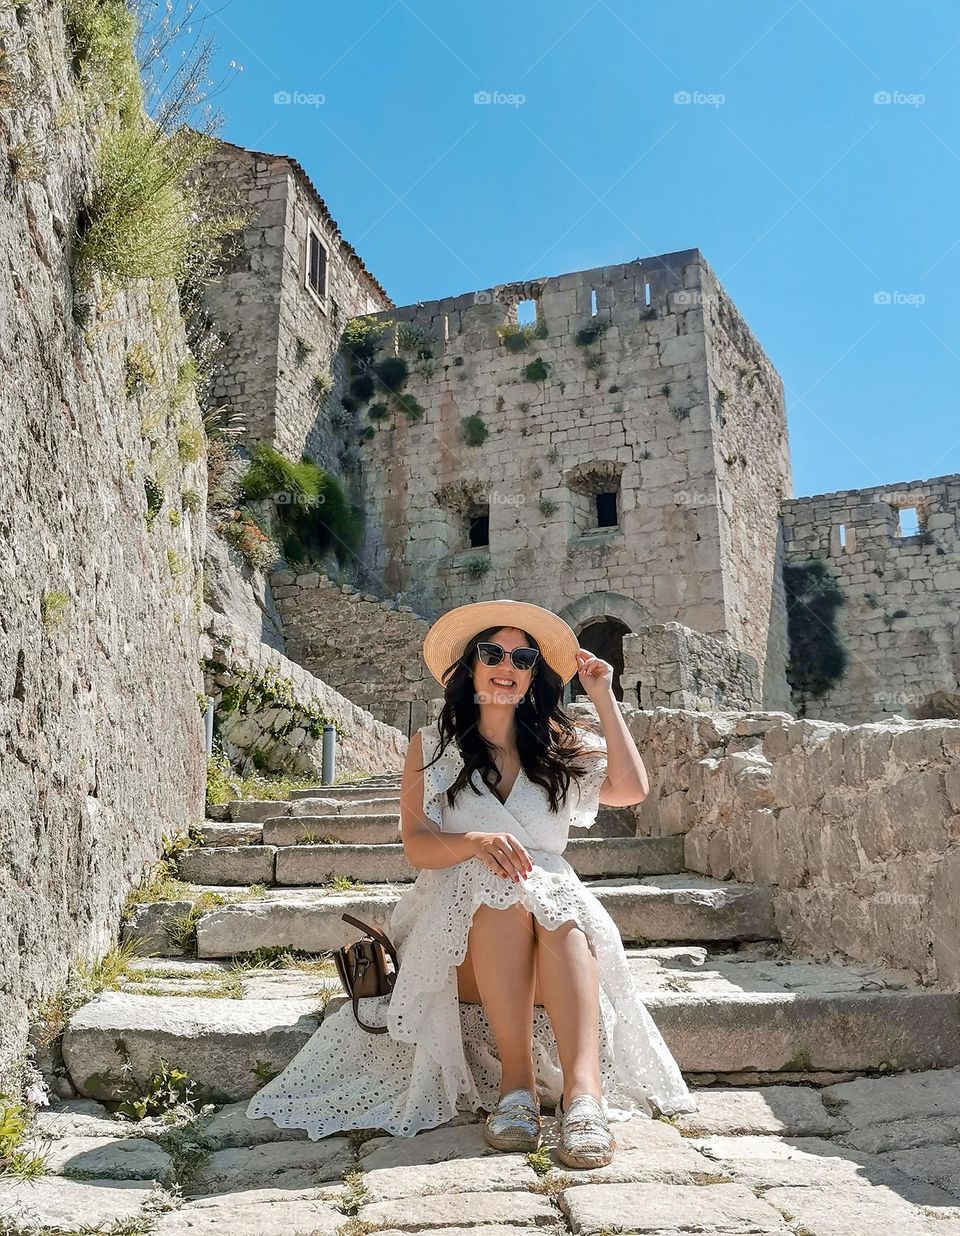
<point x="446" y="640"/>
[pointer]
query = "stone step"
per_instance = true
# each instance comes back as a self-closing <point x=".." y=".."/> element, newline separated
<point x="669" y="907"/>
<point x="737" y="1019"/>
<point x="241" y="864"/>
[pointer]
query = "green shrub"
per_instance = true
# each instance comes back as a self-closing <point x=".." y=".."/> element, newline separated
<point x="537" y="371"/>
<point x="362" y="386"/>
<point x="100" y="37"/>
<point x="410" y="407"/>
<point x="392" y="372"/>
<point x="256" y="545"/>
<point x="410" y="337"/>
<point x="155" y="498"/>
<point x="590" y="334"/>
<point x="817" y="657"/>
<point x="361" y="338"/>
<point x="475" y="432"/>
<point x="190" y="443"/>
<point x="378" y="411"/>
<point x="271" y="473"/>
<point x="54" y="608"/>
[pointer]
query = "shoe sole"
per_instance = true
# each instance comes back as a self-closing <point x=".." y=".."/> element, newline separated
<point x="511" y="1141"/>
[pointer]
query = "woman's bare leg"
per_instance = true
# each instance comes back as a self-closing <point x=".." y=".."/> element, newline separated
<point x="501" y="950"/>
<point x="569" y="980"/>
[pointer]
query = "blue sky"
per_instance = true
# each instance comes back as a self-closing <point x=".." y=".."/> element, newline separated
<point x="809" y="197"/>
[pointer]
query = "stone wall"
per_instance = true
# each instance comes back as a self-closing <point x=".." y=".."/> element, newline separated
<point x="670" y="666"/>
<point x="283" y="338"/>
<point x="632" y="414"/>
<point x="99" y="601"/>
<point x="752" y="459"/>
<point x="269" y="712"/>
<point x="856" y="828"/>
<point x="368" y="648"/>
<point x="900" y="622"/>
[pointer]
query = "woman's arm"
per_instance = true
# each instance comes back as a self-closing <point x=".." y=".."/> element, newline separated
<point x="423" y="844"/>
<point x="626" y="782"/>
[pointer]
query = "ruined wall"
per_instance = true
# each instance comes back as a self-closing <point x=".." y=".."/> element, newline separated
<point x="368" y="648"/>
<point x="670" y="666"/>
<point x="900" y="621"/>
<point x="856" y="828"/>
<point x="99" y="600"/>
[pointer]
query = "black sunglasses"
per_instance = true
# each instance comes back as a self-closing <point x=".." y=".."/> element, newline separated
<point x="522" y="658"/>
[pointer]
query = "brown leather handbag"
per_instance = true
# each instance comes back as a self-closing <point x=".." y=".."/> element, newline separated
<point x="363" y="970"/>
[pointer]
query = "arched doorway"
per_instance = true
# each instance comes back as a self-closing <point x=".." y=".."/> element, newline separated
<point x="604" y="638"/>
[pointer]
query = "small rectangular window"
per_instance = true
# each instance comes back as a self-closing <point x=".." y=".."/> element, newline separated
<point x="607" y="510"/>
<point x="316" y="273"/>
<point x="479" y="529"/>
<point x="527" y="313"/>
<point x="908" y="521"/>
<point x="593" y="303"/>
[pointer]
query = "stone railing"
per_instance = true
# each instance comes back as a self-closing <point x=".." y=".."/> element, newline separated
<point x="856" y="828"/>
<point x="270" y="712"/>
<point x="671" y="666"/>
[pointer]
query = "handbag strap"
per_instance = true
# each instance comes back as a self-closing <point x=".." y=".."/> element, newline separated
<point x="376" y="935"/>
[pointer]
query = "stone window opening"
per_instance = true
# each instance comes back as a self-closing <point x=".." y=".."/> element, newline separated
<point x="593" y="302"/>
<point x="646" y="293"/>
<point x="528" y="312"/>
<point x="910" y="520"/>
<point x="315" y="274"/>
<point x="478" y="528"/>
<point x="595" y="489"/>
<point x="607" y="510"/>
<point x="843" y="539"/>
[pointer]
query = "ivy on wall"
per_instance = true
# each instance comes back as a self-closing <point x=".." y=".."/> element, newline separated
<point x="817" y="656"/>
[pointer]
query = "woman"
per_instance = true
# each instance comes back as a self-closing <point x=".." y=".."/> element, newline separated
<point x="512" y="976"/>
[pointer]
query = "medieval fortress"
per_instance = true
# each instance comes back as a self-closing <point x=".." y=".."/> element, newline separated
<point x="610" y="444"/>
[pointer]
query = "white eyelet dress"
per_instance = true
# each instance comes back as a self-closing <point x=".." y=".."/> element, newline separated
<point x="439" y="1055"/>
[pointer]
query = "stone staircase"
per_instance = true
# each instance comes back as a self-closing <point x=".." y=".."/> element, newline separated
<point x="730" y="1001"/>
<point x="800" y="1130"/>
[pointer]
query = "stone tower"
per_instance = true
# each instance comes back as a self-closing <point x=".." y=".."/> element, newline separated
<point x="610" y="444"/>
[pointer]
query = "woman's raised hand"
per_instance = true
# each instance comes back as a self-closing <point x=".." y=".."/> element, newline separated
<point x="503" y="854"/>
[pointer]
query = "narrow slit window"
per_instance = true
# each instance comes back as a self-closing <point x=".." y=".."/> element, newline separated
<point x="646" y="293"/>
<point x="842" y="534"/>
<point x="593" y="303"/>
<point x="316" y="265"/>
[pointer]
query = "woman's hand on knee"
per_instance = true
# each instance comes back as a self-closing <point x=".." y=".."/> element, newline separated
<point x="503" y="854"/>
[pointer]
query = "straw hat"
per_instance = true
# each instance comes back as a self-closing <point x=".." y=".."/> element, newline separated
<point x="446" y="640"/>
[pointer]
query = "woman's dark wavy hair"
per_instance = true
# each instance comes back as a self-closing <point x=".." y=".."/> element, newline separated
<point x="546" y="737"/>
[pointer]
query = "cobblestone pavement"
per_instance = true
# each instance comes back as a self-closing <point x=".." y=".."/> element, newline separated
<point x="858" y="1158"/>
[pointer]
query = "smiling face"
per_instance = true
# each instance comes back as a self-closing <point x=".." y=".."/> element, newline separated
<point x="502" y="684"/>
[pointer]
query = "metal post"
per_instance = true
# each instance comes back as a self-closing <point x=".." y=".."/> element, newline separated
<point x="208" y="726"/>
<point x="329" y="755"/>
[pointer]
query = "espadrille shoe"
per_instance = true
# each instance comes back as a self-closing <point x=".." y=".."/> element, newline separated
<point x="585" y="1137"/>
<point x="515" y="1123"/>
